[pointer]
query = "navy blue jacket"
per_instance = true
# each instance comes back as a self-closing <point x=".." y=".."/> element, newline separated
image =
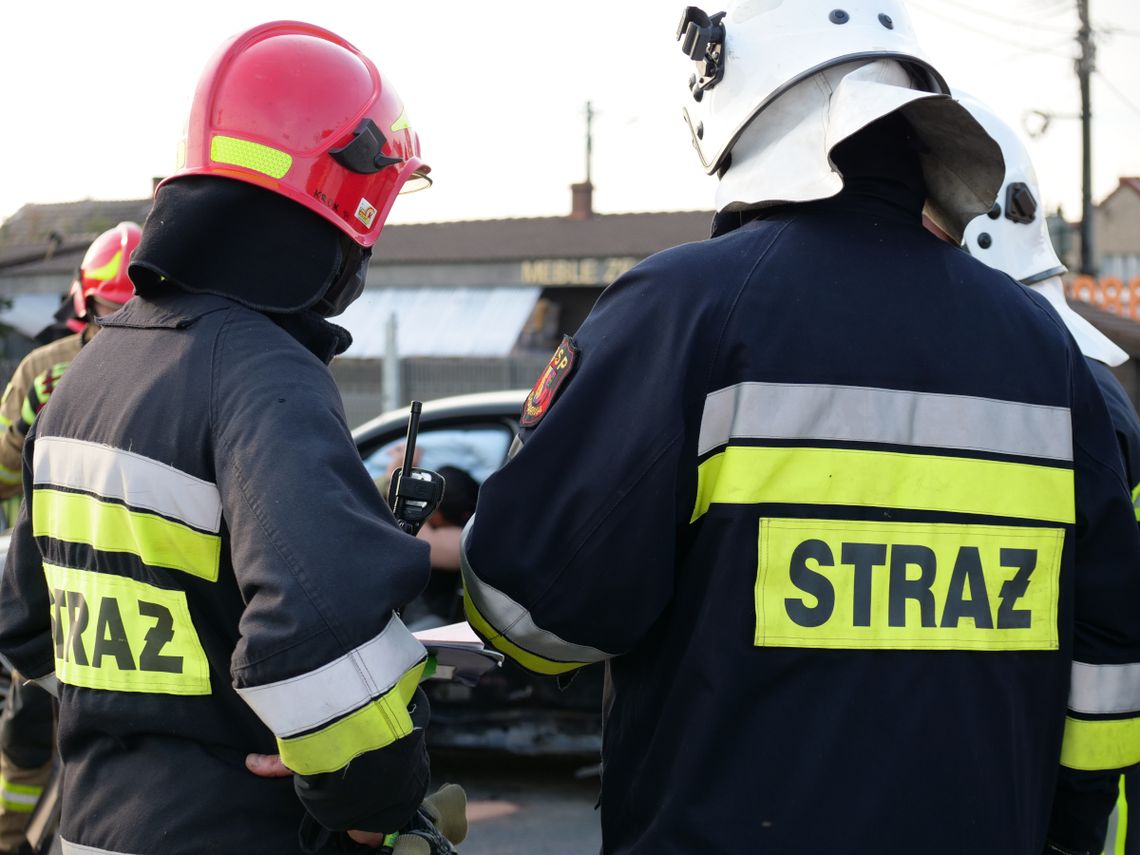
<point x="817" y="489"/>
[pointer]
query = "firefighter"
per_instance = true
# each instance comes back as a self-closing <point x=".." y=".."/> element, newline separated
<point x="815" y="488"/>
<point x="100" y="287"/>
<point x="168" y="574"/>
<point x="1013" y="237"/>
<point x="27" y="724"/>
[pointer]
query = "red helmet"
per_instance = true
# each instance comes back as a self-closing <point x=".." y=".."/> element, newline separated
<point x="299" y="111"/>
<point x="103" y="273"/>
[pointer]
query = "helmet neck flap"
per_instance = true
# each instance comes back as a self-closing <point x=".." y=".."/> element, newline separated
<point x="215" y="236"/>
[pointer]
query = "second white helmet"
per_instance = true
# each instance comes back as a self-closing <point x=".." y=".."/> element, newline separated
<point x="1014" y="235"/>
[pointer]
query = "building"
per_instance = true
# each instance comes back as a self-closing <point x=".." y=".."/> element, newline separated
<point x="1117" y="231"/>
<point x="475" y="305"/>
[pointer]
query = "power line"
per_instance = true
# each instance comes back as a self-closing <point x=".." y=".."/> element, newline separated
<point x="1023" y="45"/>
<point x="1017" y="22"/>
<point x="1112" y="88"/>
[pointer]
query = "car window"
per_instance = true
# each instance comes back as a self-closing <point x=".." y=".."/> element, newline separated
<point x="478" y="449"/>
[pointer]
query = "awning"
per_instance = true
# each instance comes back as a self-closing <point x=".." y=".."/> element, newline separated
<point x="438" y="321"/>
<point x="30" y="313"/>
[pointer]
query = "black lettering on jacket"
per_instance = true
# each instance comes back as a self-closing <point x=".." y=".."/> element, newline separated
<point x="864" y="557"/>
<point x="111" y="636"/>
<point x="811" y="582"/>
<point x="1007" y="616"/>
<point x="157" y="638"/>
<point x="968" y="570"/>
<point x="903" y="589"/>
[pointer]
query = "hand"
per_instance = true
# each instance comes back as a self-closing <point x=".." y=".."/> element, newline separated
<point x="270" y="766"/>
<point x="267" y="766"/>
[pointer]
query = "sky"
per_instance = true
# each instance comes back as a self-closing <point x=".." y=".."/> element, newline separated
<point x="94" y="95"/>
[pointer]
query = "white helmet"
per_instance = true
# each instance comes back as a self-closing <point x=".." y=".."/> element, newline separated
<point x="1014" y="236"/>
<point x="791" y="75"/>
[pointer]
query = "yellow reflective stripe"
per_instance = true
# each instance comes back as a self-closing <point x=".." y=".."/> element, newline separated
<point x="7" y="786"/>
<point x="843" y="476"/>
<point x="27" y="414"/>
<point x="19" y="798"/>
<point x="109" y="527"/>
<point x="250" y="155"/>
<point x="108" y="271"/>
<point x="16" y="807"/>
<point x="1136" y="501"/>
<point x="503" y="644"/>
<point x="1099" y="745"/>
<point x="119" y="634"/>
<point x="1121" y="820"/>
<point x="381" y="722"/>
<point x="10" y="476"/>
<point x="402" y="123"/>
<point x="852" y="585"/>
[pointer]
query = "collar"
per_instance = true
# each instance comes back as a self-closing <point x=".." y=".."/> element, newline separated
<point x="870" y="198"/>
<point x="178" y="310"/>
<point x="174" y="310"/>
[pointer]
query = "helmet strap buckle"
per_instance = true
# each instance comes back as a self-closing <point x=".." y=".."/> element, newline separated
<point x="702" y="40"/>
<point x="364" y="154"/>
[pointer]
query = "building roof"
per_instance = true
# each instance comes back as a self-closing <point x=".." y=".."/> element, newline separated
<point x="35" y="224"/>
<point x="600" y="236"/>
<point x="27" y="235"/>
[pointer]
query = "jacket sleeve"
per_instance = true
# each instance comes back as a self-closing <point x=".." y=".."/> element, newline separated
<point x="1102" y="725"/>
<point x="322" y="660"/>
<point x="11" y="436"/>
<point x="25" y="601"/>
<point x="585" y="513"/>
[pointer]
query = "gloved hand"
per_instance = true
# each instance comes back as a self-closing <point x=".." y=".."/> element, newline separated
<point x="439" y="825"/>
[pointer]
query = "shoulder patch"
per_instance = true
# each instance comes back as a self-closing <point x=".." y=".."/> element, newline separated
<point x="559" y="369"/>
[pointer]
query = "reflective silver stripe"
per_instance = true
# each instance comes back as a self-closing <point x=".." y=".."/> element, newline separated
<point x="514" y="622"/>
<point x="863" y="414"/>
<point x="1104" y="689"/>
<point x="19" y="798"/>
<point x="129" y="477"/>
<point x="68" y="848"/>
<point x="309" y="700"/>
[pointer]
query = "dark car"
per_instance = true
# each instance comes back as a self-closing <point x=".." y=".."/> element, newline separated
<point x="510" y="709"/>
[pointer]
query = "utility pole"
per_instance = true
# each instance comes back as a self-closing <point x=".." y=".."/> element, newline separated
<point x="1086" y="63"/>
<point x="589" y="141"/>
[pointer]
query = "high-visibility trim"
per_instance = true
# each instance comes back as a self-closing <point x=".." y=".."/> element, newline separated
<point x="1119" y="837"/>
<point x="119" y="634"/>
<point x="859" y="585"/>
<point x="250" y="155"/>
<point x="381" y="722"/>
<point x="10" y="476"/>
<point x="19" y="798"/>
<point x="1104" y="689"/>
<point x="108" y="271"/>
<point x="1101" y="744"/>
<point x="511" y="629"/>
<point x="309" y="700"/>
<point x="27" y="414"/>
<point x="159" y="542"/>
<point x="1136" y="501"/>
<point x="401" y="123"/>
<point x="131" y="478"/>
<point x="782" y="411"/>
<point x="504" y="645"/>
<point x="69" y="848"/>
<point x="882" y="479"/>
